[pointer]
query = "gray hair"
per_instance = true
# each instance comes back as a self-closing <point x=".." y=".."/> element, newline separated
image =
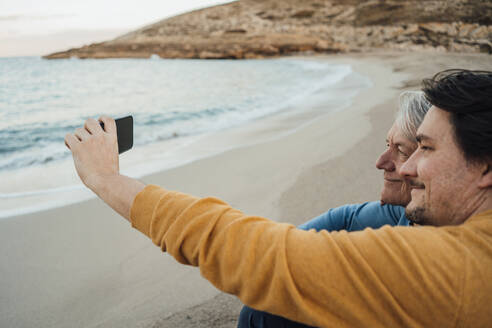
<point x="413" y="107"/>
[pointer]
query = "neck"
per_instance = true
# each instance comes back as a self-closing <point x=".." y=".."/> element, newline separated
<point x="483" y="203"/>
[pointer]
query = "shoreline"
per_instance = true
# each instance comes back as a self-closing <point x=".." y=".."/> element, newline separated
<point x="83" y="266"/>
<point x="292" y="115"/>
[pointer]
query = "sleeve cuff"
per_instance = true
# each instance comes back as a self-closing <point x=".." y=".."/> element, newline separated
<point x="143" y="208"/>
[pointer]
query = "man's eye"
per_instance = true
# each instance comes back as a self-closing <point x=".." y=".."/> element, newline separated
<point x="402" y="153"/>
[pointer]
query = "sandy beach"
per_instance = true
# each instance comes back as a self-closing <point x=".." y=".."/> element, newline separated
<point x="84" y="266"/>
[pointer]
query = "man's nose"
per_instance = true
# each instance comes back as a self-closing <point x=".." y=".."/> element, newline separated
<point x="384" y="161"/>
<point x="409" y="168"/>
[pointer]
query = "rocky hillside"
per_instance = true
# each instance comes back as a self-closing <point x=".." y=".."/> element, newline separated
<point x="262" y="28"/>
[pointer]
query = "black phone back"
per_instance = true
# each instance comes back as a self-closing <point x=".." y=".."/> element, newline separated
<point x="124" y="132"/>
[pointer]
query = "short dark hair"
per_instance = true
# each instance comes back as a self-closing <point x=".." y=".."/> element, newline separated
<point x="467" y="95"/>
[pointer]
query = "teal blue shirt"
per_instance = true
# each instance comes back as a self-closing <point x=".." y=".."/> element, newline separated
<point x="356" y="217"/>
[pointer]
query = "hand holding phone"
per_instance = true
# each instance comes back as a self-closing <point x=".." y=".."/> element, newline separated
<point x="124" y="133"/>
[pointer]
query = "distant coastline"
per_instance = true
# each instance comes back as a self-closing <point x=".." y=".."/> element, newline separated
<point x="272" y="28"/>
<point x="39" y="45"/>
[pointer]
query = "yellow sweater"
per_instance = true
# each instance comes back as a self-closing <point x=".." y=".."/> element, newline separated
<point x="391" y="277"/>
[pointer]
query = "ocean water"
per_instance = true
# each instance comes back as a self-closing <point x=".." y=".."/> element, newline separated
<point x="174" y="103"/>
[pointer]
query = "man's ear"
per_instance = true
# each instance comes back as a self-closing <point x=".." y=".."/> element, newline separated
<point x="486" y="179"/>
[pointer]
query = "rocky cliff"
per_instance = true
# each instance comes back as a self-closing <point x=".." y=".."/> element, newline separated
<point x="262" y="28"/>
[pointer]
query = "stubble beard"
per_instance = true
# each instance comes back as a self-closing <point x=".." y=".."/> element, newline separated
<point x="417" y="215"/>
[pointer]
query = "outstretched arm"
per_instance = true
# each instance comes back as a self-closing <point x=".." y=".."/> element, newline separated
<point x="393" y="276"/>
<point x="95" y="156"/>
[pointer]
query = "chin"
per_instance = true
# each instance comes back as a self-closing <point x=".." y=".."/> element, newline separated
<point x="392" y="201"/>
<point x="391" y="198"/>
<point x="395" y="193"/>
<point x="417" y="215"/>
<point x="411" y="206"/>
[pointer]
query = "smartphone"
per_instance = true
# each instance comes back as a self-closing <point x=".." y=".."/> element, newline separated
<point x="124" y="132"/>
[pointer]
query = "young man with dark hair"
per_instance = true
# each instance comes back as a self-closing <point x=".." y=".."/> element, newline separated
<point x="437" y="275"/>
<point x="456" y="130"/>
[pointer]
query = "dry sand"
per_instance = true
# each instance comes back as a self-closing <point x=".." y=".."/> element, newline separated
<point x="83" y="266"/>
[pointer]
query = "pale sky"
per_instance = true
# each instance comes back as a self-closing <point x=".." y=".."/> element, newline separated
<point x="34" y="28"/>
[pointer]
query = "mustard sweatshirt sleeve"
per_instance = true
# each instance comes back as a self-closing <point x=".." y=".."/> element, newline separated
<point x="388" y="277"/>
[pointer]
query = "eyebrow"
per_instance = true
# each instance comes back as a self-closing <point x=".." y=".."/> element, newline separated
<point x="422" y="137"/>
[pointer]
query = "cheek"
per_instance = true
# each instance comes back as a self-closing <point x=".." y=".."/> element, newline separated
<point x="450" y="184"/>
<point x="426" y="172"/>
<point x="441" y="185"/>
<point x="405" y="188"/>
<point x="392" y="189"/>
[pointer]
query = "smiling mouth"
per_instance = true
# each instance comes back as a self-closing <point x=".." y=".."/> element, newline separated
<point x="392" y="180"/>
<point x="416" y="185"/>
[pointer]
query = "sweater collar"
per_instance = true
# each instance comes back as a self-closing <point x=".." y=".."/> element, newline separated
<point x="480" y="216"/>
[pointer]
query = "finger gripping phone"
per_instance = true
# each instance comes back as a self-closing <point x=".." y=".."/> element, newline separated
<point x="124" y="133"/>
